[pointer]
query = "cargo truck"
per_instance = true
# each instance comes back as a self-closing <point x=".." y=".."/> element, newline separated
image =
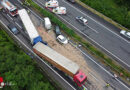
<point x="30" y="28"/>
<point x="60" y="62"/>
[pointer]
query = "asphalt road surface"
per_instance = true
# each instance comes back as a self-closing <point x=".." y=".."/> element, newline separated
<point x="100" y="32"/>
<point x="24" y="38"/>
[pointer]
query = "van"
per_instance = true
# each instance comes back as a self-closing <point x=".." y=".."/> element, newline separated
<point x="47" y="23"/>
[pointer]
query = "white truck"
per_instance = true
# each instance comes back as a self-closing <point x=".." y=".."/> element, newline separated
<point x="47" y="23"/>
<point x="30" y="28"/>
<point x="9" y="7"/>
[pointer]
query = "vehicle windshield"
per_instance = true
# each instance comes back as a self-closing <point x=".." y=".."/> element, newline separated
<point x="128" y="34"/>
<point x="63" y="39"/>
<point x="84" y="81"/>
<point x="14" y="29"/>
<point x="14" y="11"/>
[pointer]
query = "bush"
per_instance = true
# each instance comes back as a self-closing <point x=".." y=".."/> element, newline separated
<point x="118" y="10"/>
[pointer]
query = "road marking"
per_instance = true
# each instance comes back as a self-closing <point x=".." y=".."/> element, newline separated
<point x="18" y="25"/>
<point x="90" y="57"/>
<point x="93" y="76"/>
<point x="100" y="66"/>
<point x="9" y="16"/>
<point x="89" y="38"/>
<point x="93" y="29"/>
<point x="96" y="21"/>
<point x="39" y="57"/>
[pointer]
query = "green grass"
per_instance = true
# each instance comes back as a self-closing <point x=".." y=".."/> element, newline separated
<point x="118" y="10"/>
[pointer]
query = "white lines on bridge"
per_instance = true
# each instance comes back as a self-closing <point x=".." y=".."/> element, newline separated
<point x="18" y="25"/>
<point x="9" y="16"/>
<point x="96" y="21"/>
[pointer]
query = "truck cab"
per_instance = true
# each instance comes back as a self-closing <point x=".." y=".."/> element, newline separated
<point x="80" y="78"/>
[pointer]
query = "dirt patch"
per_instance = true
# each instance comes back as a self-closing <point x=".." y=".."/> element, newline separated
<point x="68" y="51"/>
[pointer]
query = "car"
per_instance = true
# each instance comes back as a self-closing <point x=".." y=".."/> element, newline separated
<point x="82" y="20"/>
<point x="125" y="33"/>
<point x="62" y="39"/>
<point x="72" y="1"/>
<point x="57" y="31"/>
<point x="13" y="29"/>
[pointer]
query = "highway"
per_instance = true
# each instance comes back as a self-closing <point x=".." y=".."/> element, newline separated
<point x="105" y="74"/>
<point x="99" y="32"/>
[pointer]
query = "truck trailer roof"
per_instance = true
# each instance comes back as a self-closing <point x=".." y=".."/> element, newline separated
<point x="57" y="58"/>
<point x="31" y="30"/>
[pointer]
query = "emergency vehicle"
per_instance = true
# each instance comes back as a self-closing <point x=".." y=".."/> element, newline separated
<point x="9" y="7"/>
<point x="52" y="4"/>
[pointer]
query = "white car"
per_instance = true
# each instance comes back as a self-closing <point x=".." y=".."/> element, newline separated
<point x="82" y="20"/>
<point x="62" y="39"/>
<point x="125" y="33"/>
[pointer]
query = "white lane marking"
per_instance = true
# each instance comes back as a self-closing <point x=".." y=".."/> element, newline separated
<point x="96" y="21"/>
<point x="90" y="57"/>
<point x="89" y="38"/>
<point x="97" y="43"/>
<point x="39" y="57"/>
<point x="100" y="66"/>
<point x="93" y="76"/>
<point x="9" y="16"/>
<point x="19" y="1"/>
<point x="18" y="25"/>
<point x="93" y="29"/>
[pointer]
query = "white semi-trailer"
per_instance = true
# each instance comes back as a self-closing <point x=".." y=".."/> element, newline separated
<point x="60" y="62"/>
<point x="30" y="28"/>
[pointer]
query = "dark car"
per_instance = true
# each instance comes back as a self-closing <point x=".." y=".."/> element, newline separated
<point x="13" y="29"/>
<point x="57" y="31"/>
<point x="72" y="1"/>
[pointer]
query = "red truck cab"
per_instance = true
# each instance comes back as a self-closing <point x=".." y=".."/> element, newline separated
<point x="80" y="78"/>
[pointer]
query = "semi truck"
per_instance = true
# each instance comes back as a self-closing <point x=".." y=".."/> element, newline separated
<point x="30" y="28"/>
<point x="60" y="62"/>
<point x="51" y="56"/>
<point x="9" y="7"/>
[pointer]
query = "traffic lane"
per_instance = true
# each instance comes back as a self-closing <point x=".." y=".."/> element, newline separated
<point x="105" y="38"/>
<point x="115" y="47"/>
<point x="97" y="18"/>
<point x="105" y="76"/>
<point x="123" y="55"/>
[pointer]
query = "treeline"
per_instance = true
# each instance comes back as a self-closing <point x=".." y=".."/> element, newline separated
<point x="18" y="69"/>
<point x="118" y="10"/>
